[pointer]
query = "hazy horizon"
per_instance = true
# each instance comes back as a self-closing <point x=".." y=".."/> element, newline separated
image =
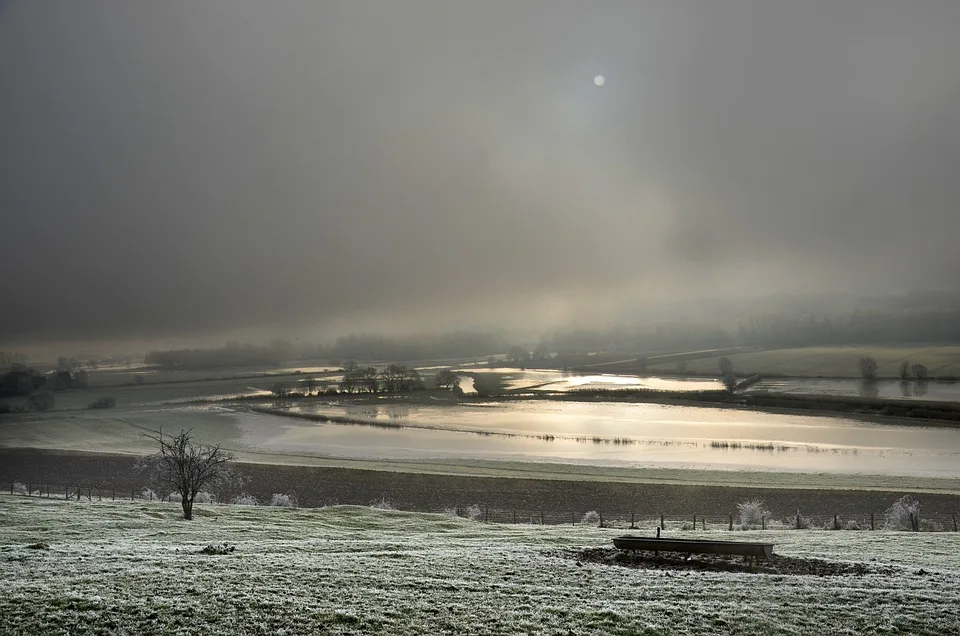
<point x="197" y="172"/>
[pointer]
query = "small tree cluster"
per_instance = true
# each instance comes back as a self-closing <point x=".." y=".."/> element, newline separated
<point x="446" y="379"/>
<point x="396" y="378"/>
<point x="868" y="367"/>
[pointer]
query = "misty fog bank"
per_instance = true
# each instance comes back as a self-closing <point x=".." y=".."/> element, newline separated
<point x="180" y="173"/>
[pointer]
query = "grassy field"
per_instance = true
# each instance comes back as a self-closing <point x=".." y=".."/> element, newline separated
<point x="831" y="361"/>
<point x="132" y="568"/>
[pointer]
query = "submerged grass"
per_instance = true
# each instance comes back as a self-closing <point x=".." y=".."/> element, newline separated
<point x="137" y="568"/>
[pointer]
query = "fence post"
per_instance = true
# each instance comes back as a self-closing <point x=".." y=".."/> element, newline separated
<point x="836" y="522"/>
<point x="66" y="491"/>
<point x="573" y="518"/>
<point x="131" y="495"/>
<point x="29" y="489"/>
<point x="763" y="522"/>
<point x="541" y="516"/>
<point x="661" y="523"/>
<point x="731" y="523"/>
<point x="871" y="521"/>
<point x="913" y="522"/>
<point x="486" y="514"/>
<point x="694" y="522"/>
<point x="633" y="526"/>
<point x="601" y="518"/>
<point x="798" y="521"/>
<point x="703" y="521"/>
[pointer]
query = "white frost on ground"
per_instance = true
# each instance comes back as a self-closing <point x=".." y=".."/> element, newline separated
<point x="135" y="567"/>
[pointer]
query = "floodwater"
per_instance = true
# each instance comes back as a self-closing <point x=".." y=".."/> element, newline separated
<point x="612" y="434"/>
<point x="889" y="389"/>
<point x="553" y="380"/>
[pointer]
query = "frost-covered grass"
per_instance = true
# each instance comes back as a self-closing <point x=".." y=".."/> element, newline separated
<point x="136" y="567"/>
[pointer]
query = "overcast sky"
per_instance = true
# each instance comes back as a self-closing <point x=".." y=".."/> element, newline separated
<point x="187" y="167"/>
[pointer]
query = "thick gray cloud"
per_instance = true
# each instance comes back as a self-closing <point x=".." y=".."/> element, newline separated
<point x="198" y="167"/>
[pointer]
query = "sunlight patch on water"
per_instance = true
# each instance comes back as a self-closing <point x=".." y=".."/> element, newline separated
<point x="604" y="433"/>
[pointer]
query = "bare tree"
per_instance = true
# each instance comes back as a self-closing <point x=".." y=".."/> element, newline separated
<point x="868" y="367"/>
<point x="187" y="466"/>
<point x="920" y="371"/>
<point x="905" y="370"/>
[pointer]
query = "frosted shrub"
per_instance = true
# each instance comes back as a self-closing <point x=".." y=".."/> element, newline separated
<point x="451" y="512"/>
<point x="473" y="512"/>
<point x="204" y="497"/>
<point x="174" y="496"/>
<point x="246" y="500"/>
<point x="383" y="504"/>
<point x="19" y="489"/>
<point x="903" y="514"/>
<point x="752" y="513"/>
<point x="853" y="524"/>
<point x="149" y="495"/>
<point x="590" y="518"/>
<point x="283" y="501"/>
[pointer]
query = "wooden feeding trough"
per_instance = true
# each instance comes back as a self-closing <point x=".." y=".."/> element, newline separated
<point x="745" y="549"/>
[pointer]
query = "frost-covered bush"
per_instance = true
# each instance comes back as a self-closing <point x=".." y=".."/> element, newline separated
<point x="105" y="402"/>
<point x="853" y="524"/>
<point x="590" y="518"/>
<point x="929" y="525"/>
<point x="283" y="501"/>
<point x="833" y="524"/>
<point x="150" y="495"/>
<point x="246" y="500"/>
<point x="473" y="512"/>
<point x="798" y="523"/>
<point x="752" y="513"/>
<point x="383" y="504"/>
<point x="904" y="514"/>
<point x="20" y="489"/>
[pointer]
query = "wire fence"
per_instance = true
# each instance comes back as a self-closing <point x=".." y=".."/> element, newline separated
<point x="632" y="520"/>
<point x="928" y="522"/>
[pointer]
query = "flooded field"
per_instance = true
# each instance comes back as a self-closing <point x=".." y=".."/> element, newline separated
<point x="888" y="389"/>
<point x="610" y="434"/>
